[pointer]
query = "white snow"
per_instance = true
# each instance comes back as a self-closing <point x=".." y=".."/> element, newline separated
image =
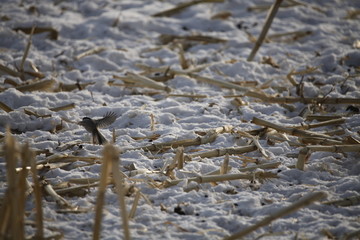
<point x="129" y="36"/>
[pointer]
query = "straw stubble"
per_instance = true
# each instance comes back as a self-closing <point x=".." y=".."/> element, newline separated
<point x="110" y="161"/>
<point x="306" y="200"/>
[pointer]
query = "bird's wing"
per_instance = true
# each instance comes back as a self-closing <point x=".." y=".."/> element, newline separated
<point x="108" y="119"/>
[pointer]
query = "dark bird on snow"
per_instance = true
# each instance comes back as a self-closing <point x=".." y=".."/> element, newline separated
<point x="92" y="126"/>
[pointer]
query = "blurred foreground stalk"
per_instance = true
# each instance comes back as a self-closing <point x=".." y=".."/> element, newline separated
<point x="110" y="162"/>
<point x="12" y="212"/>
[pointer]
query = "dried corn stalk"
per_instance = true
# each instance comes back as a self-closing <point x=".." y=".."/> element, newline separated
<point x="100" y="200"/>
<point x="317" y="100"/>
<point x="182" y="6"/>
<point x="71" y="87"/>
<point x="194" y="96"/>
<point x="92" y="51"/>
<point x="304" y="201"/>
<point x="225" y="165"/>
<point x="303" y="72"/>
<point x="5" y="107"/>
<point x="349" y="201"/>
<point x="112" y="154"/>
<point x="37" y="195"/>
<point x="223" y="151"/>
<point x="261" y="166"/>
<point x="222" y="177"/>
<point x="321" y="118"/>
<point x="142" y="81"/>
<point x="336" y="121"/>
<point x="166" y="39"/>
<point x="216" y="82"/>
<point x="290" y="131"/>
<point x="43" y="85"/>
<point x="62" y="202"/>
<point x="271" y="14"/>
<point x="221" y="15"/>
<point x="11" y="215"/>
<point x="135" y="204"/>
<point x="68" y="158"/>
<point x="63" y="108"/>
<point x="9" y="71"/>
<point x="305" y="152"/>
<point x="256" y="142"/>
<point x="191" y="73"/>
<point x="289" y="37"/>
<point x="210" y="136"/>
<point x="75" y="190"/>
<point x="53" y="33"/>
<point x="26" y="51"/>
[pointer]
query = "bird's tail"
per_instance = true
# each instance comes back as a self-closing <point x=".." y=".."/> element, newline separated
<point x="98" y="138"/>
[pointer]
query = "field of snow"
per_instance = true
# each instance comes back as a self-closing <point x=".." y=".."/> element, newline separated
<point x="94" y="57"/>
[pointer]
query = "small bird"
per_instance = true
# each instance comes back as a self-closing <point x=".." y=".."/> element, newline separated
<point x="92" y="126"/>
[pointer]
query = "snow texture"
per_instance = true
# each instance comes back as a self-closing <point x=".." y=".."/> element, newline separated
<point x="129" y="36"/>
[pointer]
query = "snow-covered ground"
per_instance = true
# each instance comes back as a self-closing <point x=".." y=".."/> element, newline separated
<point x="124" y="34"/>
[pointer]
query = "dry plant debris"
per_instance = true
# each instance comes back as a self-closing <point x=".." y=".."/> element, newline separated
<point x="204" y="135"/>
<point x="306" y="200"/>
<point x="181" y="7"/>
